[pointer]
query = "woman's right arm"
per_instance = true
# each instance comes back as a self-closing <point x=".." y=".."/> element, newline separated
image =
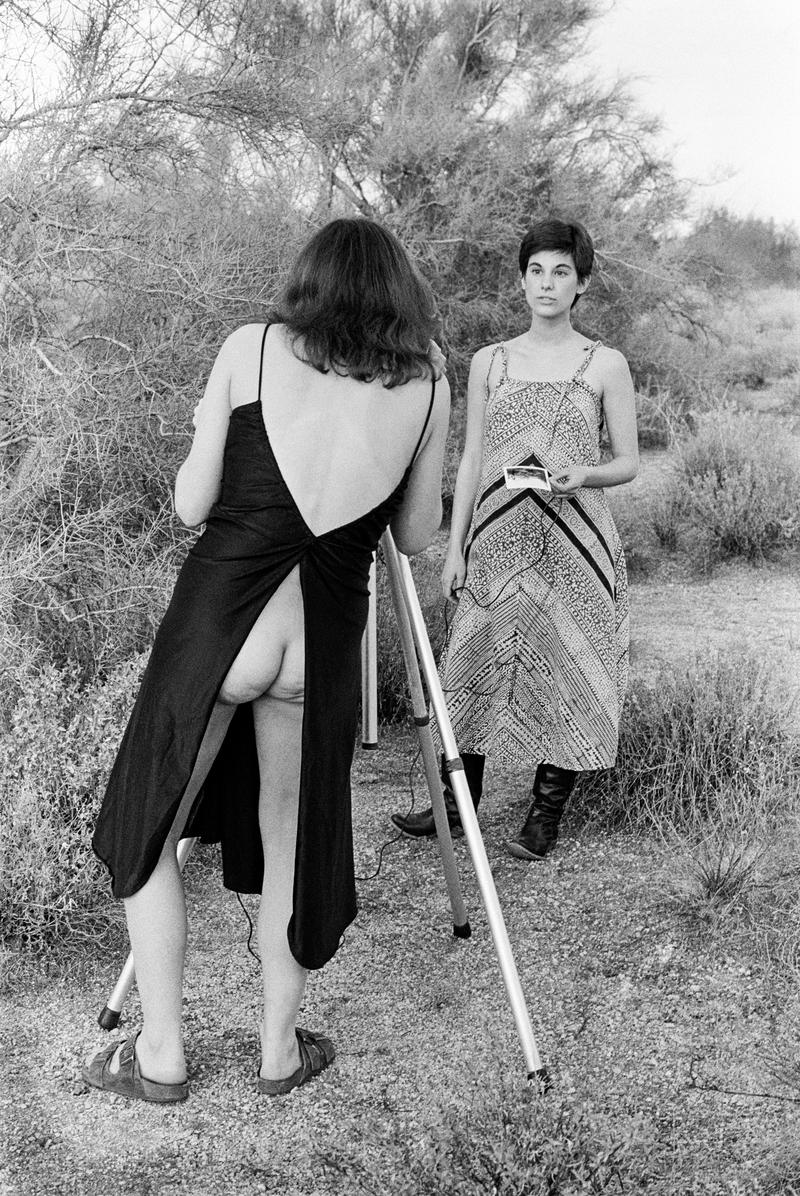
<point x="420" y="515"/>
<point x="199" y="479"/>
<point x="468" y="476"/>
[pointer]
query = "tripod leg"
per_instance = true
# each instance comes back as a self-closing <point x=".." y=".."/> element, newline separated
<point x="369" y="667"/>
<point x="458" y="783"/>
<point x="461" y="926"/>
<point x="110" y="1015"/>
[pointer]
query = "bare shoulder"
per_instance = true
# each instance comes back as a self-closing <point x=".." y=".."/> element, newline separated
<point x="608" y="373"/>
<point x="483" y="356"/>
<point x="242" y="343"/>
<point x="611" y="363"/>
<point x="482" y="362"/>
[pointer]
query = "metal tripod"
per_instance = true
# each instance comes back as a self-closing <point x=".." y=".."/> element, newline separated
<point x="419" y="663"/>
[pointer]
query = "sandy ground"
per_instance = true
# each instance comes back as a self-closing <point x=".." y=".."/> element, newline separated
<point x="738" y="608"/>
<point x="629" y="1000"/>
<point x="680" y="615"/>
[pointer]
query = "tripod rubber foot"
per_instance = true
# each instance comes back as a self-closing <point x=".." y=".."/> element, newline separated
<point x="541" y="1079"/>
<point x="464" y="931"/>
<point x="369" y="747"/>
<point x="108" y="1019"/>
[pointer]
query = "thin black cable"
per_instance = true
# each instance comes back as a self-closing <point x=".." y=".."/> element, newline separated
<point x="448" y="618"/>
<point x="246" y="912"/>
<point x="487" y="693"/>
<point x="396" y="838"/>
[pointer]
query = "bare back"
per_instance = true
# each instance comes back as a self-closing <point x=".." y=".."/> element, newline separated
<point x="341" y="445"/>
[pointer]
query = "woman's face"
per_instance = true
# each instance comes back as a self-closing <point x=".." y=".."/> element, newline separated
<point x="551" y="283"/>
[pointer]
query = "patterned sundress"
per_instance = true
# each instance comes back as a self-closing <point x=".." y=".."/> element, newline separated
<point x="536" y="659"/>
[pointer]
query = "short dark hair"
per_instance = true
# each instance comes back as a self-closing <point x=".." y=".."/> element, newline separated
<point x="355" y="303"/>
<point x="562" y="236"/>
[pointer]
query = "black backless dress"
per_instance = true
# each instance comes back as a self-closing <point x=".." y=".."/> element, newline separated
<point x="254" y="537"/>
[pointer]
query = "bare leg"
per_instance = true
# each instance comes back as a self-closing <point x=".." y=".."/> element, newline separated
<point x="278" y="723"/>
<point x="156" y="916"/>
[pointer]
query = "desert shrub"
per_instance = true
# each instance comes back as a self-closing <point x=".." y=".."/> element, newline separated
<point x="665" y="510"/>
<point x="655" y="418"/>
<point x="510" y="1143"/>
<point x="92" y="431"/>
<point x="684" y="364"/>
<point x="735" y="493"/>
<point x="55" y="754"/>
<point x="761" y="349"/>
<point x="712" y="742"/>
<point x="733" y="250"/>
<point x="639" y="540"/>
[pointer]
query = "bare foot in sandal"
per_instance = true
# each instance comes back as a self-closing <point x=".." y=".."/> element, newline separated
<point x="116" y="1069"/>
<point x="316" y="1053"/>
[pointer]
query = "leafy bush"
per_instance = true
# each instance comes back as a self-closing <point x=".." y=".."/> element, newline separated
<point x="707" y="743"/>
<point x="55" y="755"/>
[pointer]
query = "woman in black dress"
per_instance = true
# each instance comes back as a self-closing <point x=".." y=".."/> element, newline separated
<point x="314" y="434"/>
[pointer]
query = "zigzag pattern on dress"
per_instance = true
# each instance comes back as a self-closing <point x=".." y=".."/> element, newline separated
<point x="535" y="664"/>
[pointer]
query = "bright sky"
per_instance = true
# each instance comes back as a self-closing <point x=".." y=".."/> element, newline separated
<point x="724" y="76"/>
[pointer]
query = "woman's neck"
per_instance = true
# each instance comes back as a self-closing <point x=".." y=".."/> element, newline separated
<point x="550" y="332"/>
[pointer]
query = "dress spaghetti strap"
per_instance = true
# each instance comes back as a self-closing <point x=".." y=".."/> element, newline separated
<point x="501" y="349"/>
<point x="581" y="370"/>
<point x="427" y="421"/>
<point x="261" y="359"/>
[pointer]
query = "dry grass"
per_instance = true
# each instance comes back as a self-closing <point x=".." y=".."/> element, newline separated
<point x="697" y="745"/>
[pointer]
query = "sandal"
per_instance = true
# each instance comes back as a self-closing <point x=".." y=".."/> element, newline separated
<point x="128" y="1080"/>
<point x="316" y="1053"/>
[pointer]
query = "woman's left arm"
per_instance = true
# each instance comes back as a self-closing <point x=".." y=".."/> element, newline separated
<point x="197" y="485"/>
<point x="619" y="408"/>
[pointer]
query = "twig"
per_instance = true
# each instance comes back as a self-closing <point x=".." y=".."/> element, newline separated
<point x="40" y="353"/>
<point x="703" y="1087"/>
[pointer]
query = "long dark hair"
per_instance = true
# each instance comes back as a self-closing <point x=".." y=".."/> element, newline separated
<point x="354" y="303"/>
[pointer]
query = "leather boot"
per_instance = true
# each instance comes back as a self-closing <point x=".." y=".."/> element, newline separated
<point x="551" y="788"/>
<point x="421" y="825"/>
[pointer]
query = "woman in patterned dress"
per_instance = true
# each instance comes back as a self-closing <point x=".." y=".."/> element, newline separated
<point x="535" y="665"/>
